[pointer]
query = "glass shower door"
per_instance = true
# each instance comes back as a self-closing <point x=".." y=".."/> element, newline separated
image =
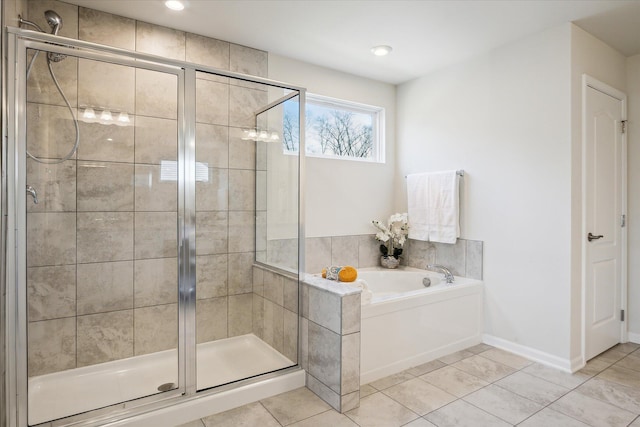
<point x="101" y="233"/>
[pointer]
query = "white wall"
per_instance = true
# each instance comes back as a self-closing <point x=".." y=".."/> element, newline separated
<point x="633" y="142"/>
<point x="503" y="118"/>
<point x="591" y="56"/>
<point x="342" y="197"/>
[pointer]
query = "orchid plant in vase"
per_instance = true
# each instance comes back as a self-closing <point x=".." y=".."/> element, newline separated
<point x="393" y="236"/>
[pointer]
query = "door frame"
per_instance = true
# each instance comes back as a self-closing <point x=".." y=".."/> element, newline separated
<point x="593" y="83"/>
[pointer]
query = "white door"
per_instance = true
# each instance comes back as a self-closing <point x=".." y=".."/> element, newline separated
<point x="604" y="173"/>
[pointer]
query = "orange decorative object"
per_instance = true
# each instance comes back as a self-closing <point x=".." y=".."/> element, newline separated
<point x="348" y="274"/>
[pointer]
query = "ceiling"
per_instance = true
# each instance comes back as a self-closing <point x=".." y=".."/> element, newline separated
<point x="425" y="34"/>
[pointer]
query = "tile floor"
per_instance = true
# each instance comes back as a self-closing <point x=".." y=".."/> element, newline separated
<point x="480" y="386"/>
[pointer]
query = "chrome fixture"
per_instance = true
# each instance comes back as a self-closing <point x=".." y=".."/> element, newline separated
<point x="55" y="22"/>
<point x="426" y="282"/>
<point x="33" y="193"/>
<point x="442" y="269"/>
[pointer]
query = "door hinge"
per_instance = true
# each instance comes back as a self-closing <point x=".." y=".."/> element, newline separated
<point x="622" y="315"/>
<point x="623" y="220"/>
<point x="623" y="126"/>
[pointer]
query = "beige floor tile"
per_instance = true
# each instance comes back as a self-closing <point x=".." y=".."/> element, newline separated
<point x="556" y="376"/>
<point x="630" y="362"/>
<point x="253" y="414"/>
<point x="594" y="367"/>
<point x="621" y="375"/>
<point x="592" y="411"/>
<point x="455" y="357"/>
<point x="636" y="423"/>
<point x="612" y="355"/>
<point x="295" y="405"/>
<point x="532" y="387"/>
<point x="480" y="348"/>
<point x="419" y="396"/>
<point x="506" y="358"/>
<point x="426" y="368"/>
<point x="503" y="404"/>
<point x="628" y="347"/>
<point x="391" y="380"/>
<point x="454" y="381"/>
<point x="420" y="422"/>
<point x="484" y="369"/>
<point x="616" y="394"/>
<point x="550" y="418"/>
<point x="196" y="423"/>
<point x="379" y="410"/>
<point x="366" y="390"/>
<point x="326" y="419"/>
<point x="463" y="414"/>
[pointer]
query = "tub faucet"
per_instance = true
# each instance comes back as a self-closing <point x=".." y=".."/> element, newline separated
<point x="444" y="270"/>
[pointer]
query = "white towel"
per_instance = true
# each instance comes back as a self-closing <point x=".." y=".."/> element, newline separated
<point x="366" y="295"/>
<point x="434" y="206"/>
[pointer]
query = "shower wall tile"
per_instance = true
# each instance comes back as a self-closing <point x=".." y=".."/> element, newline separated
<point x="240" y="272"/>
<point x="344" y="250"/>
<point x="324" y="356"/>
<point x="452" y="256"/>
<point x="261" y="190"/>
<point x="152" y="193"/>
<point x="212" y="102"/>
<point x="105" y="85"/>
<point x="50" y="134"/>
<point x="155" y="328"/>
<point x="243" y="102"/>
<point x="290" y="338"/>
<point x="242" y="193"/>
<point x="104" y="337"/>
<point x="261" y="236"/>
<point x="55" y="185"/>
<point x="213" y="194"/>
<point x="274" y="287"/>
<point x="474" y="259"/>
<point x="106" y="143"/>
<point x="51" y="292"/>
<point x="318" y="254"/>
<point x="283" y="252"/>
<point x="212" y="145"/>
<point x="105" y="186"/>
<point x="155" y="281"/>
<point x="160" y="41"/>
<point x="323" y="392"/>
<point x="351" y="314"/>
<point x="273" y="325"/>
<point x="42" y="89"/>
<point x="156" y="235"/>
<point x="242" y="153"/>
<point x="68" y="12"/>
<point x="350" y="363"/>
<point x="51" y="239"/>
<point x="241" y="231"/>
<point x="258" y="316"/>
<point x="261" y="155"/>
<point x="368" y="251"/>
<point x="303" y="343"/>
<point x="291" y="294"/>
<point x="211" y="233"/>
<point x="156" y="140"/>
<point x="240" y="314"/>
<point x="211" y="276"/>
<point x="211" y="319"/>
<point x="325" y="309"/>
<point x="105" y="236"/>
<point x="246" y="60"/>
<point x="156" y="94"/>
<point x="418" y="254"/>
<point x="105" y="287"/>
<point x="258" y="280"/>
<point x="104" y="28"/>
<point x="209" y="52"/>
<point x="51" y="346"/>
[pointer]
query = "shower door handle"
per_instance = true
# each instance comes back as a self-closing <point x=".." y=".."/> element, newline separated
<point x="591" y="237"/>
<point x="33" y="193"/>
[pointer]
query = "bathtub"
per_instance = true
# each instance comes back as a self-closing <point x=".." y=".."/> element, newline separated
<point x="407" y="324"/>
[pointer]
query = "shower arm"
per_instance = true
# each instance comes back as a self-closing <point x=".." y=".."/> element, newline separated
<point x="30" y="23"/>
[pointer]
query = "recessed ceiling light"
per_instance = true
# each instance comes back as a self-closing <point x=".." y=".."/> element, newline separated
<point x="381" y="50"/>
<point x="174" y="4"/>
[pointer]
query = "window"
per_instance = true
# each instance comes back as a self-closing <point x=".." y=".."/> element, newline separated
<point x="336" y="129"/>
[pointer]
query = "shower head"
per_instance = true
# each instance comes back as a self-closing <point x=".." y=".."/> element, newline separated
<point x="54" y="20"/>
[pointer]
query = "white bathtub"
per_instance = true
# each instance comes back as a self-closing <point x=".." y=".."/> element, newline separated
<point x="407" y="324"/>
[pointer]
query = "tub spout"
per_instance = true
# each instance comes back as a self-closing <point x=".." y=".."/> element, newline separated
<point x="442" y="269"/>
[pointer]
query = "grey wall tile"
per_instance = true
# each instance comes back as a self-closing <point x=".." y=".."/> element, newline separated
<point x="303" y="343"/>
<point x="368" y="251"/>
<point x="291" y="294"/>
<point x="105" y="236"/>
<point x="242" y="192"/>
<point x="324" y="356"/>
<point x="325" y="309"/>
<point x="323" y="392"/>
<point x="211" y="233"/>
<point x="304" y="300"/>
<point x="419" y="253"/>
<point x="349" y="401"/>
<point x="261" y="236"/>
<point x="156" y="94"/>
<point x="211" y="319"/>
<point x="55" y="184"/>
<point x="155" y="328"/>
<point x="212" y="102"/>
<point x="261" y="191"/>
<point x="156" y="140"/>
<point x="36" y="9"/>
<point x="104" y="186"/>
<point x="105" y="85"/>
<point x="351" y="314"/>
<point x="42" y="89"/>
<point x="273" y="325"/>
<point x="106" y="286"/>
<point x="212" y="194"/>
<point x="107" y="143"/>
<point x="161" y="41"/>
<point x="207" y="51"/>
<point x="51" y="292"/>
<point x="51" y="239"/>
<point x="258" y="280"/>
<point x="240" y="314"/>
<point x="243" y="102"/>
<point x="104" y="28"/>
<point x="50" y="133"/>
<point x="242" y="153"/>
<point x="290" y="338"/>
<point x="258" y="316"/>
<point x="241" y="231"/>
<point x="211" y="276"/>
<point x="51" y="346"/>
<point x="240" y="273"/>
<point x="318" y="254"/>
<point x="274" y="287"/>
<point x="152" y="192"/>
<point x="283" y="252"/>
<point x="452" y="256"/>
<point x="344" y="250"/>
<point x="156" y="235"/>
<point x="250" y="61"/>
<point x="156" y="281"/>
<point x="474" y="259"/>
<point x="104" y="337"/>
<point x="212" y="145"/>
<point x="350" y="367"/>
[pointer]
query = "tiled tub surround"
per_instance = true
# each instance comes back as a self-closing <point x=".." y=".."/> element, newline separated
<point x="102" y="247"/>
<point x="330" y="341"/>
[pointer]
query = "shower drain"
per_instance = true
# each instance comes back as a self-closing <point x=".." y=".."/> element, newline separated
<point x="166" y="386"/>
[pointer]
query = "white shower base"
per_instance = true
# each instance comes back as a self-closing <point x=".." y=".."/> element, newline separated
<point x="74" y="391"/>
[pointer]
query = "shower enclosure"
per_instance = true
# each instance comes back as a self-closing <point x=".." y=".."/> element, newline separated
<point x="155" y="217"/>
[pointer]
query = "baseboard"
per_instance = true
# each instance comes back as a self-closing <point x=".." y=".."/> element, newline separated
<point x="566" y="365"/>
<point x="633" y="337"/>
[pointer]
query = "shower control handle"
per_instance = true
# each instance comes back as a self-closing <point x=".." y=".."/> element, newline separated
<point x="591" y="237"/>
<point x="33" y="193"/>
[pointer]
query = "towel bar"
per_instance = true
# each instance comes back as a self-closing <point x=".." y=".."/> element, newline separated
<point x="459" y="172"/>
